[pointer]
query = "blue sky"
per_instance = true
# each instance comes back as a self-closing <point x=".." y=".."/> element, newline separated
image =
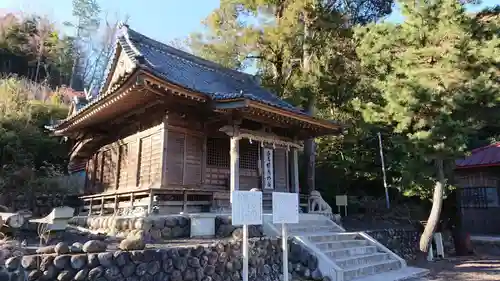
<point x="164" y="20"/>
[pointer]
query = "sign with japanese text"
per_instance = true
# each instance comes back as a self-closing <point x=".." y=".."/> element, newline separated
<point x="268" y="168"/>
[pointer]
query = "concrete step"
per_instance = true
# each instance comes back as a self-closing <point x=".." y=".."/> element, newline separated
<point x="349" y="252"/>
<point x="328" y="237"/>
<point x="336" y="245"/>
<point x="360" y="271"/>
<point x="311" y="223"/>
<point x="404" y="274"/>
<point x="362" y="260"/>
<point x="311" y="229"/>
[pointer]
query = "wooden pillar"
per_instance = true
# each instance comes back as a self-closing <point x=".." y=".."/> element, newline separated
<point x="184" y="202"/>
<point x="164" y="180"/>
<point x="287" y="170"/>
<point x="90" y="208"/>
<point x="115" y="211"/>
<point x="102" y="206"/>
<point x="204" y="161"/>
<point x="150" y="202"/>
<point x="138" y="162"/>
<point x="234" y="176"/>
<point x="116" y="157"/>
<point x="295" y="171"/>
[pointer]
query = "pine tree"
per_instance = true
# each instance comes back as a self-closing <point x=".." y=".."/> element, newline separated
<point x="438" y="84"/>
<point x="302" y="49"/>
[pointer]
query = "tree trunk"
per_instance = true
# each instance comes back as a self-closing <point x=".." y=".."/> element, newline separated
<point x="73" y="71"/>
<point x="437" y="204"/>
<point x="37" y="68"/>
<point x="309" y="145"/>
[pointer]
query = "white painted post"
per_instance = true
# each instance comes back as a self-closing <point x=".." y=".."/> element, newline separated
<point x="285" y="210"/>
<point x="296" y="170"/>
<point x="284" y="245"/>
<point x="438" y="238"/>
<point x="246" y="210"/>
<point x="245" y="252"/>
<point x="430" y="253"/>
<point x="234" y="177"/>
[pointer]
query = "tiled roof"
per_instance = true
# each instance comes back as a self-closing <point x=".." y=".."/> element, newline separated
<point x="197" y="74"/>
<point x="481" y="157"/>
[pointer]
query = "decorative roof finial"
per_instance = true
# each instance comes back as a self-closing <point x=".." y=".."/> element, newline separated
<point x="122" y="24"/>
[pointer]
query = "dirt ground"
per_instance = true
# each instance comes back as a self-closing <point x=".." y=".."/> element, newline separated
<point x="475" y="268"/>
<point x="484" y="265"/>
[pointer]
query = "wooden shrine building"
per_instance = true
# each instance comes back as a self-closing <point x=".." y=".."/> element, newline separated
<point x="172" y="132"/>
<point x="478" y="180"/>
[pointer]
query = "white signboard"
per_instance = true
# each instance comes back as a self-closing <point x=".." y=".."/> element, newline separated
<point x="285" y="207"/>
<point x="246" y="208"/>
<point x="268" y="168"/>
<point x="341" y="200"/>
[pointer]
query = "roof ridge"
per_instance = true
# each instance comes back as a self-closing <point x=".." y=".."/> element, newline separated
<point x="183" y="55"/>
<point x="475" y="150"/>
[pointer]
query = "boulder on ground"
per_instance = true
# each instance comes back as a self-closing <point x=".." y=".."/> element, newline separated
<point x="46" y="250"/>
<point x="132" y="244"/>
<point x="61" y="248"/>
<point x="94" y="246"/>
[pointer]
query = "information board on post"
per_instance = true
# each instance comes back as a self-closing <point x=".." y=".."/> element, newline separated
<point x="246" y="210"/>
<point x="341" y="200"/>
<point x="285" y="211"/>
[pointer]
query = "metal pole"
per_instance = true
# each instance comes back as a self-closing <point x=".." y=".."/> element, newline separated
<point x="245" y="253"/>
<point x="383" y="171"/>
<point x="284" y="244"/>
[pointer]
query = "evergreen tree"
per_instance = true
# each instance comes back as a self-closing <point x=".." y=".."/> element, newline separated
<point x="303" y="50"/>
<point x="438" y="84"/>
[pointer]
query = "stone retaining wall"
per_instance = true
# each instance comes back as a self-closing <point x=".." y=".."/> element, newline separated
<point x="156" y="228"/>
<point x="152" y="228"/>
<point x="221" y="261"/>
<point x="403" y="242"/>
<point x="225" y="229"/>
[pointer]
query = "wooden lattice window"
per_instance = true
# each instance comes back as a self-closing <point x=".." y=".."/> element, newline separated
<point x="479" y="197"/>
<point x="249" y="155"/>
<point x="473" y="197"/>
<point x="218" y="152"/>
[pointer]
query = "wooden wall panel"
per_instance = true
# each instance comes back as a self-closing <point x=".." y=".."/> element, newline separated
<point x="280" y="167"/>
<point x="194" y="155"/>
<point x="123" y="178"/>
<point x="109" y="170"/>
<point x="156" y="156"/>
<point x="128" y="162"/>
<point x="175" y="157"/>
<point x="150" y="159"/>
<point x="145" y="161"/>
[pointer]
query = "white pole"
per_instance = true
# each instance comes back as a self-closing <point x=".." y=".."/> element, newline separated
<point x="388" y="204"/>
<point x="284" y="243"/>
<point x="245" y="252"/>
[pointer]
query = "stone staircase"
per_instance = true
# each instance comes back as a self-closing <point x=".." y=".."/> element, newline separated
<point x="345" y="256"/>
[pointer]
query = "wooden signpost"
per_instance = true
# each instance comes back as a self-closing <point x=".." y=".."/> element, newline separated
<point x="246" y="210"/>
<point x="285" y="210"/>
